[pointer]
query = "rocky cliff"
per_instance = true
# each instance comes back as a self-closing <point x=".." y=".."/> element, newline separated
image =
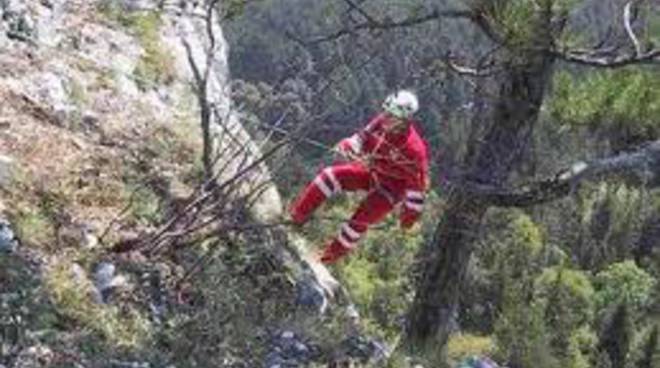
<point x="100" y="141"/>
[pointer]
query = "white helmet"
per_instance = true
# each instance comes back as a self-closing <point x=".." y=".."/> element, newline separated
<point x="402" y="104"/>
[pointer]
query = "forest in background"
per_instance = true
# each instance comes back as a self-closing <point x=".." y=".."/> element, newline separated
<point x="141" y="208"/>
<point x="566" y="279"/>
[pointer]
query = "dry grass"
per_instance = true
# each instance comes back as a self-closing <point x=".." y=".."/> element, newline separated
<point x="461" y="346"/>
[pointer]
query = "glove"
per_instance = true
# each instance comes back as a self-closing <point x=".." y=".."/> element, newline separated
<point x="349" y="146"/>
<point x="408" y="218"/>
<point x="333" y="252"/>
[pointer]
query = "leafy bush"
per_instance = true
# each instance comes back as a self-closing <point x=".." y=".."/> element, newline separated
<point x="570" y="288"/>
<point x="623" y="282"/>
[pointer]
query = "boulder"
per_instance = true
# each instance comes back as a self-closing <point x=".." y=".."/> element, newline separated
<point x="106" y="280"/>
<point x="8" y="240"/>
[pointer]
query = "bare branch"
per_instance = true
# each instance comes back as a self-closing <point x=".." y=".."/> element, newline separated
<point x="465" y="71"/>
<point x="629" y="30"/>
<point x="373" y="24"/>
<point x="210" y="53"/>
<point x="641" y="167"/>
<point x="356" y="7"/>
<point x="650" y="57"/>
<point x="608" y="58"/>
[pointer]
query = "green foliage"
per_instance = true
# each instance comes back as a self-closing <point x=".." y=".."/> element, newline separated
<point x="461" y="346"/>
<point x="623" y="283"/>
<point x="519" y="21"/>
<point x="520" y="333"/>
<point x="376" y="272"/>
<point x="146" y="207"/>
<point x="526" y="234"/>
<point x="582" y="345"/>
<point x="518" y="246"/>
<point x="71" y="295"/>
<point x="515" y="20"/>
<point x="34" y="227"/>
<point x="155" y="64"/>
<point x="572" y="290"/>
<point x="566" y="297"/>
<point x="376" y="275"/>
<point x="624" y="100"/>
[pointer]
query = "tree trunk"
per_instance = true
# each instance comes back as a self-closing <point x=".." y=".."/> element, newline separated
<point x="490" y="160"/>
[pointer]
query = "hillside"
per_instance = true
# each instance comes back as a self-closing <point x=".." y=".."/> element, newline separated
<point x="100" y="144"/>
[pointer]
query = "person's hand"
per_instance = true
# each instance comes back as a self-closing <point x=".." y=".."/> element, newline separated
<point x="345" y="149"/>
<point x="408" y="219"/>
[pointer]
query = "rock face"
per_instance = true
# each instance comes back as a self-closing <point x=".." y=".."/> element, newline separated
<point x="8" y="241"/>
<point x="290" y="350"/>
<point x="71" y="75"/>
<point x="315" y="285"/>
<point x="229" y="134"/>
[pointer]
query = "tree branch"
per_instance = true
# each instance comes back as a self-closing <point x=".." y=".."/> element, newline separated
<point x="650" y="57"/>
<point x="356" y="7"/>
<point x="374" y="24"/>
<point x="608" y="58"/>
<point x="640" y="167"/>
<point x="629" y="30"/>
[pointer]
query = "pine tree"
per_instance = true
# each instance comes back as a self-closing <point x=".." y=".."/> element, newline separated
<point x="616" y="336"/>
<point x="649" y="350"/>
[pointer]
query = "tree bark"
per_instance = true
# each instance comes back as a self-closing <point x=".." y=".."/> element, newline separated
<point x="490" y="161"/>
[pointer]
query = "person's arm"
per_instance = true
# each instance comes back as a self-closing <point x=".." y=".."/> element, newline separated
<point x="362" y="141"/>
<point x="415" y="194"/>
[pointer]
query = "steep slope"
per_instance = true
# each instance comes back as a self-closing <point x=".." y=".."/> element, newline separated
<point x="99" y="142"/>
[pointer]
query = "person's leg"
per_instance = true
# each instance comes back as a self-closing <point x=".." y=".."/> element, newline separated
<point x="328" y="183"/>
<point x="372" y="210"/>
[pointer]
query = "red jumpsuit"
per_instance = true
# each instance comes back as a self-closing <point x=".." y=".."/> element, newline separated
<point x="394" y="169"/>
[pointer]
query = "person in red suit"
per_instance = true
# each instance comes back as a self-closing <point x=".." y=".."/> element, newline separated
<point x="388" y="160"/>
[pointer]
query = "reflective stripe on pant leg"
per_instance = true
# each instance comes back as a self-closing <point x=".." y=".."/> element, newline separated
<point x="318" y="181"/>
<point x="328" y="183"/>
<point x="348" y="236"/>
<point x="335" y="183"/>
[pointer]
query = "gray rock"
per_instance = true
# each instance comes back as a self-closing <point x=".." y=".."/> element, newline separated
<point x="35" y="357"/>
<point x="90" y="119"/>
<point x="365" y="349"/>
<point x="104" y="274"/>
<point x="20" y="24"/>
<point x="89" y="238"/>
<point x="8" y="241"/>
<point x="310" y="294"/>
<point x="7" y="171"/>
<point x="289" y="350"/>
<point x="105" y="279"/>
